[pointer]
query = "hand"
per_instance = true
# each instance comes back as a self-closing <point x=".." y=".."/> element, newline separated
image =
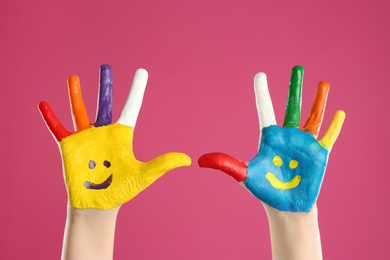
<point x="288" y="170"/>
<point x="100" y="169"/>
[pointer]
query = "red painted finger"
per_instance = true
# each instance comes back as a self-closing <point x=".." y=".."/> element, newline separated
<point x="57" y="129"/>
<point x="225" y="163"/>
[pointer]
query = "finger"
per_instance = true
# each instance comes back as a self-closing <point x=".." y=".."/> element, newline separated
<point x="79" y="114"/>
<point x="292" y="116"/>
<point x="225" y="163"/>
<point x="134" y="100"/>
<point x="333" y="131"/>
<point x="265" y="109"/>
<point x="55" y="127"/>
<point x="155" y="168"/>
<point x="313" y="123"/>
<point x="104" y="114"/>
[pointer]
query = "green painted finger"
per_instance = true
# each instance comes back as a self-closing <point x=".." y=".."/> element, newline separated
<point x="292" y="116"/>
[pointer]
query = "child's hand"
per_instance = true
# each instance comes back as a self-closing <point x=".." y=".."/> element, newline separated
<point x="288" y="170"/>
<point x="100" y="169"/>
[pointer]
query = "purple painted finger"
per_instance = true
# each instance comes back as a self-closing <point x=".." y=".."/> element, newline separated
<point x="104" y="114"/>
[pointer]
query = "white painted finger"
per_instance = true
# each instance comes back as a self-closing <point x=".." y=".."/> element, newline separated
<point x="134" y="100"/>
<point x="265" y="109"/>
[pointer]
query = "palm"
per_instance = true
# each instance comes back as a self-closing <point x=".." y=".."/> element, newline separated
<point x="100" y="169"/>
<point x="289" y="167"/>
<point x="288" y="170"/>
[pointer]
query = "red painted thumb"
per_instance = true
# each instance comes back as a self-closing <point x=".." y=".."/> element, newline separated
<point x="225" y="163"/>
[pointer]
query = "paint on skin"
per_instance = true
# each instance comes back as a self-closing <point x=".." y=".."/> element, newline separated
<point x="104" y="114"/>
<point x="113" y="141"/>
<point x="292" y="193"/>
<point x="103" y="185"/>
<point x="333" y="131"/>
<point x="91" y="164"/>
<point x="292" y="117"/>
<point x="52" y="122"/>
<point x="277" y="161"/>
<point x="296" y="187"/>
<point x="100" y="186"/>
<point x="113" y="144"/>
<point x="79" y="114"/>
<point x="313" y="123"/>
<point x="225" y="163"/>
<point x="107" y="164"/>
<point x="278" y="184"/>
<point x="293" y="164"/>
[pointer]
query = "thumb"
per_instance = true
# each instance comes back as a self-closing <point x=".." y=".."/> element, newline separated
<point x="225" y="163"/>
<point x="155" y="168"/>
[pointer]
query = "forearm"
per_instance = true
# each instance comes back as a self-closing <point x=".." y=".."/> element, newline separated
<point x="294" y="235"/>
<point x="89" y="234"/>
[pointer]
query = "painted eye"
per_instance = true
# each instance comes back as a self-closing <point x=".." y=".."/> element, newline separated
<point x="277" y="161"/>
<point x="293" y="164"/>
<point x="107" y="164"/>
<point x="91" y="164"/>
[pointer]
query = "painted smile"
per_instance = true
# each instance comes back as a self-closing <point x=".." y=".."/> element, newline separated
<point x="278" y="184"/>
<point x="103" y="185"/>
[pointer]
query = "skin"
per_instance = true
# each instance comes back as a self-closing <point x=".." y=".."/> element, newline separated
<point x="89" y="234"/>
<point x="297" y="158"/>
<point x="294" y="235"/>
<point x="100" y="170"/>
<point x="293" y="106"/>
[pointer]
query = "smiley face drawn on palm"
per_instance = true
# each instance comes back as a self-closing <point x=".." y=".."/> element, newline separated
<point x="288" y="170"/>
<point x="100" y="169"/>
<point x="105" y="184"/>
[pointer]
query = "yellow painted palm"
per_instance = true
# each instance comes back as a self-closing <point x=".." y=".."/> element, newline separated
<point x="100" y="169"/>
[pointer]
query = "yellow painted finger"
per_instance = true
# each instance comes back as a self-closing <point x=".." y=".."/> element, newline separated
<point x="155" y="168"/>
<point x="333" y="131"/>
<point x="79" y="114"/>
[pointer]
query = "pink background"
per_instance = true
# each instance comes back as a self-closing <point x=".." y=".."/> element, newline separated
<point x="201" y="57"/>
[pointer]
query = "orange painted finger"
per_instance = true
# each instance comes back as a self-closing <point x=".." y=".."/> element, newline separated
<point x="313" y="123"/>
<point x="56" y="128"/>
<point x="79" y="114"/>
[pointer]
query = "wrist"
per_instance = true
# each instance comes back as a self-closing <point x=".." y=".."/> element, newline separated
<point x="92" y="214"/>
<point x="292" y="219"/>
<point x="294" y="235"/>
<point x="89" y="233"/>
